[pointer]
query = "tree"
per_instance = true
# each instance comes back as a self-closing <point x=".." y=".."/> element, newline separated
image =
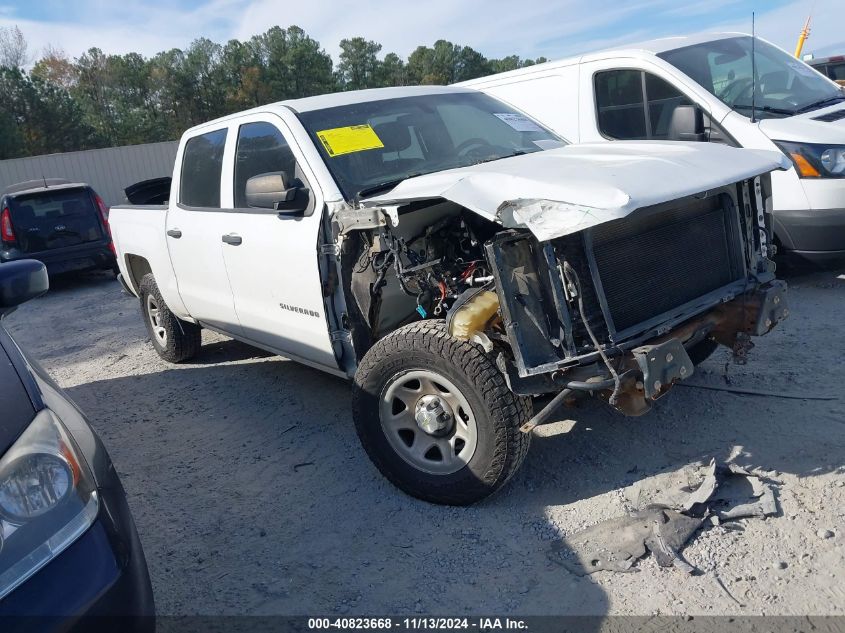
<point x="100" y="99"/>
<point x="359" y="66"/>
<point x="393" y="71"/>
<point x="45" y="118"/>
<point x="13" y="48"/>
<point x="445" y="63"/>
<point x="55" y="67"/>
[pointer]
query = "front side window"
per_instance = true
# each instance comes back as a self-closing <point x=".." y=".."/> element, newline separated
<point x="662" y="98"/>
<point x="202" y="164"/>
<point x="375" y="143"/>
<point x="261" y="149"/>
<point x="784" y="85"/>
<point x="621" y="104"/>
<point x="634" y="104"/>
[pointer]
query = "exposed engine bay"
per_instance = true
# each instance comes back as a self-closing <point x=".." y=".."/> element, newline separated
<point x="431" y="268"/>
<point x="612" y="310"/>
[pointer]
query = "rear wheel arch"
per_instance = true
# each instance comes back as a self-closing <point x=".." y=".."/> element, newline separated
<point x="138" y="267"/>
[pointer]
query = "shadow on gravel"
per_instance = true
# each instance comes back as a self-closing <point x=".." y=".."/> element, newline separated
<point x="253" y="496"/>
<point x="71" y="282"/>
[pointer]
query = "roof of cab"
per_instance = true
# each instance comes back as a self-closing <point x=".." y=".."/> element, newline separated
<point x="334" y="99"/>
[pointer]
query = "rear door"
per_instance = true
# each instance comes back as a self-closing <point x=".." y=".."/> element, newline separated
<point x="54" y="219"/>
<point x="273" y="266"/>
<point x="194" y="229"/>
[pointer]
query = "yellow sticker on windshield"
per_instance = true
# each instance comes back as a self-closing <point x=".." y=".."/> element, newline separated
<point x="345" y="140"/>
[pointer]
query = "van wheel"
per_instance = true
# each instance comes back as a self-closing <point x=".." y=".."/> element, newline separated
<point x="175" y="340"/>
<point x="436" y="416"/>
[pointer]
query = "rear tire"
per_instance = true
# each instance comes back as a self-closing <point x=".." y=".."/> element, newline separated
<point x="174" y="340"/>
<point x="419" y="368"/>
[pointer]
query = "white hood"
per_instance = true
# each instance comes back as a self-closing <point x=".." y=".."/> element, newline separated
<point x="562" y="191"/>
<point x="808" y="127"/>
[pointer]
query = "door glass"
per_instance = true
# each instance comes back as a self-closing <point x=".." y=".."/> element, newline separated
<point x="261" y="149"/>
<point x="202" y="165"/>
<point x="619" y="98"/>
<point x="663" y="98"/>
<point x="836" y="71"/>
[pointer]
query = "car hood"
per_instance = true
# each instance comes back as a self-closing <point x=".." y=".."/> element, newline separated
<point x="565" y="190"/>
<point x="16" y="408"/>
<point x="826" y="125"/>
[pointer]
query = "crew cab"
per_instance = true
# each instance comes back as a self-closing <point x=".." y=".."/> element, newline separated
<point x="456" y="259"/>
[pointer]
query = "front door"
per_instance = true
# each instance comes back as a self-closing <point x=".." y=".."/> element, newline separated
<point x="273" y="269"/>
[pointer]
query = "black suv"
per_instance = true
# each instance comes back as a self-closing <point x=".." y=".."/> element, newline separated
<point x="63" y="224"/>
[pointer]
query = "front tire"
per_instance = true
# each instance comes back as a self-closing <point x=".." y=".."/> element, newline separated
<point x="174" y="340"/>
<point x="436" y="416"/>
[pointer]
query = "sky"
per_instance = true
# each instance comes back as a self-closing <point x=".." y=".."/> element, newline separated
<point x="495" y="28"/>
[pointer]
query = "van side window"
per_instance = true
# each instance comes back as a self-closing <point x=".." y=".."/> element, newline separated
<point x="261" y="149"/>
<point x="621" y="108"/>
<point x="662" y="98"/>
<point x="202" y="164"/>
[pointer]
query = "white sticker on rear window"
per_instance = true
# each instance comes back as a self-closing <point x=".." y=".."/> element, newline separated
<point x="519" y="122"/>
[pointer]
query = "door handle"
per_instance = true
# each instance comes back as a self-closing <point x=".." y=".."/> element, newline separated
<point x="233" y="239"/>
<point x="174" y="233"/>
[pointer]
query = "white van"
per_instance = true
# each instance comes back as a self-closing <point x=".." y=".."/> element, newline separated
<point x="700" y="88"/>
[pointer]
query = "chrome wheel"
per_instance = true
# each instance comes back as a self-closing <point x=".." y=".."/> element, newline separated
<point x="428" y="422"/>
<point x="154" y="315"/>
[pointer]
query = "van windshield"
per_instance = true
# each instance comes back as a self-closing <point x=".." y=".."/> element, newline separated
<point x="785" y="85"/>
<point x="370" y="147"/>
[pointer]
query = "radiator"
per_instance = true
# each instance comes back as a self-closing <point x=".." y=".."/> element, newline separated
<point x="650" y="264"/>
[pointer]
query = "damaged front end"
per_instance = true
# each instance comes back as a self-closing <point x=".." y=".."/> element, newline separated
<point x="618" y="308"/>
<point x="621" y="309"/>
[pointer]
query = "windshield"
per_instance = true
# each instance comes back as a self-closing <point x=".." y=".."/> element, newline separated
<point x="785" y="85"/>
<point x="370" y="147"/>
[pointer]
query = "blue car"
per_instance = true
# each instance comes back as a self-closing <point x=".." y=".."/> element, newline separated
<point x="68" y="545"/>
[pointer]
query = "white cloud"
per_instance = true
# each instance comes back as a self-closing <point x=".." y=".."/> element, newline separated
<point x="781" y="26"/>
<point x="494" y="27"/>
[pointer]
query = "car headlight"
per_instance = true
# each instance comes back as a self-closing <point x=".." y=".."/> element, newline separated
<point x="814" y="160"/>
<point x="47" y="499"/>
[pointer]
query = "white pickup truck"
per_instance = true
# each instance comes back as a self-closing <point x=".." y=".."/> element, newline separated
<point x="456" y="259"/>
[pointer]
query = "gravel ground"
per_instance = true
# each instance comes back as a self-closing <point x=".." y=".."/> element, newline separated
<point x="252" y="495"/>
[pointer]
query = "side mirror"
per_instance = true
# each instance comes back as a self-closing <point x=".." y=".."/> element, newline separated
<point x="687" y="124"/>
<point x="21" y="281"/>
<point x="275" y="191"/>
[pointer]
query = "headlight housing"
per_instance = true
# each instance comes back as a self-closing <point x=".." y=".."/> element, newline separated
<point x="815" y="160"/>
<point x="47" y="499"/>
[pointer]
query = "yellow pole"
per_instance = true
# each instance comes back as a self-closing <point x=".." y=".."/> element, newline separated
<point x="802" y="37"/>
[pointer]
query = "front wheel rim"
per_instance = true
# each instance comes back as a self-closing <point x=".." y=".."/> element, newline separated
<point x="439" y="453"/>
<point x="154" y="316"/>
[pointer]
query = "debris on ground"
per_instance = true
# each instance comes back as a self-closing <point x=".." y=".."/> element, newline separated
<point x="666" y="511"/>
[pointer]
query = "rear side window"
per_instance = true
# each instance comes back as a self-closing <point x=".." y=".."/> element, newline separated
<point x="202" y="165"/>
<point x="261" y="149"/>
<point x="620" y="103"/>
